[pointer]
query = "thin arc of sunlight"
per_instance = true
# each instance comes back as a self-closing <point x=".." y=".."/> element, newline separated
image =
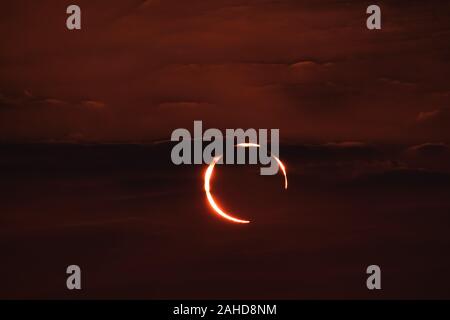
<point x="283" y="168"/>
<point x="209" y="174"/>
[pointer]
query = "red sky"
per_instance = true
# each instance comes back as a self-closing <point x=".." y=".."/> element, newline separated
<point x="365" y="129"/>
<point x="139" y="69"/>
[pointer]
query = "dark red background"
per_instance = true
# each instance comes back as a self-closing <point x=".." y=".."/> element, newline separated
<point x="85" y="170"/>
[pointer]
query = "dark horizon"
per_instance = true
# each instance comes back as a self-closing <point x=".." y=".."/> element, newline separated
<point x="140" y="227"/>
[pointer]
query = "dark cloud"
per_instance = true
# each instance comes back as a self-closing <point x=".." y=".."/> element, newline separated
<point x="93" y="104"/>
<point x="430" y="149"/>
<point x="433" y="124"/>
<point x="425" y="180"/>
<point x="434" y="116"/>
<point x="127" y="205"/>
<point x="428" y="115"/>
<point x="433" y="156"/>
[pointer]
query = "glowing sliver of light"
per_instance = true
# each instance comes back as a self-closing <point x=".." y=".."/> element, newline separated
<point x="208" y="176"/>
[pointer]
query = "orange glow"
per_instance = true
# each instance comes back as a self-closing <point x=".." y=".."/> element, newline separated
<point x="209" y="174"/>
<point x="283" y="168"/>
